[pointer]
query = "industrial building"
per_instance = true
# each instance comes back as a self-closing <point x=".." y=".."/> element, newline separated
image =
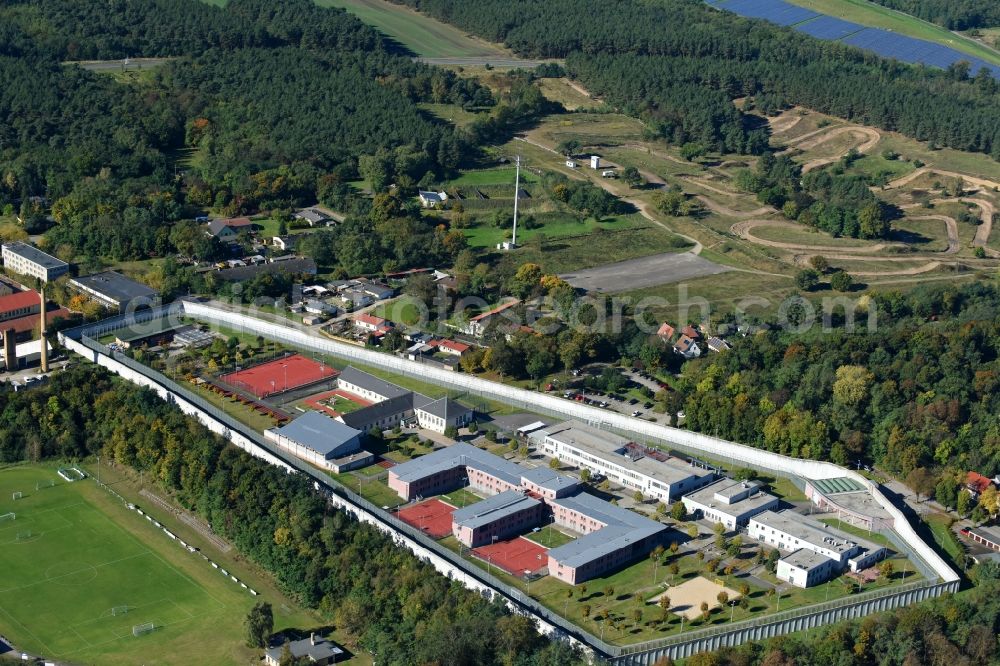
<point x="116" y="292"/>
<point x="792" y="532"/>
<point x="732" y="503"/>
<point x="653" y="473"/>
<point x="27" y="259"/>
<point x="322" y="441"/>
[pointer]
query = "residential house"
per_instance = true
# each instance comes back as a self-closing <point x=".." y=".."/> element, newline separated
<point x="976" y="483"/>
<point x="227" y="229"/>
<point x="478" y="324"/>
<point x="312" y="216"/>
<point x="284" y="243"/>
<point x="665" y="332"/>
<point x="451" y="347"/>
<point x="718" y="345"/>
<point x="312" y="650"/>
<point x="431" y="199"/>
<point x="687" y="347"/>
<point x="372" y="324"/>
<point x="376" y="290"/>
<point x="691" y="332"/>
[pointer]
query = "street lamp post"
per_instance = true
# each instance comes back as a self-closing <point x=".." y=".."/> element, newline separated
<point x="527" y="577"/>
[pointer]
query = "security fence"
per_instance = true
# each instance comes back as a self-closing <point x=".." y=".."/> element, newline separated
<point x="453" y="564"/>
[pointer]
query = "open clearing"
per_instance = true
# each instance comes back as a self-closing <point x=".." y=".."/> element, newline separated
<point x="686" y="599"/>
<point x="644" y="272"/>
<point x="421" y="34"/>
<point x="876" y="16"/>
<point x="67" y="585"/>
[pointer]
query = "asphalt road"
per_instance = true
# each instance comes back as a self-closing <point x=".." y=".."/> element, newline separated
<point x="644" y="272"/>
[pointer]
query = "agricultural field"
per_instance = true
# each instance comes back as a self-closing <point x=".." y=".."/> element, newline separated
<point x="419" y="33"/>
<point x="83" y="570"/>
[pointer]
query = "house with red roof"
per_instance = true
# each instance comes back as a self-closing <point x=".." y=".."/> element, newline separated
<point x="976" y="483"/>
<point x="665" y="332"/>
<point x="691" y="332"/>
<point x="451" y="347"/>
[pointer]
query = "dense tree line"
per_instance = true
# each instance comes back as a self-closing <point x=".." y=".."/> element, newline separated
<point x="919" y="393"/>
<point x="668" y="60"/>
<point x="278" y="104"/>
<point x="386" y="599"/>
<point x="829" y="199"/>
<point x="952" y="14"/>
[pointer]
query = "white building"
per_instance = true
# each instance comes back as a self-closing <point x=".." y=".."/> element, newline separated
<point x="732" y="503"/>
<point x="430" y="199"/>
<point x="654" y="473"/>
<point x="793" y="533"/>
<point x="595" y="161"/>
<point x="442" y="414"/>
<point x="27" y="259"/>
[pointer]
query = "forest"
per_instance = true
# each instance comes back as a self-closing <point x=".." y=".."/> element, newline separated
<point x="390" y="602"/>
<point x="264" y="107"/>
<point x="667" y="61"/>
<point x="917" y="396"/>
<point x="952" y="14"/>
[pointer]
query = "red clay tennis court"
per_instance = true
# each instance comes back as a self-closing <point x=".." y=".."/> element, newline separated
<point x="514" y="556"/>
<point x="432" y="516"/>
<point x="279" y="375"/>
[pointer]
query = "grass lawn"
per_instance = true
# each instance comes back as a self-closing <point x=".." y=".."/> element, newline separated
<point x="418" y="32"/>
<point x="461" y="498"/>
<point x="551" y="225"/>
<point x="402" y="310"/>
<point x="451" y="113"/>
<point x="560" y="91"/>
<point x="500" y="175"/>
<point x="571" y="253"/>
<point x="550" y="537"/>
<point x="875" y="165"/>
<point x="939" y="526"/>
<point x="89" y="554"/>
<point x="237" y="410"/>
<point x="805" y="235"/>
<point x="875" y="16"/>
<point x="726" y="292"/>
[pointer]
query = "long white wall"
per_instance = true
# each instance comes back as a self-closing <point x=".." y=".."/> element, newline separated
<point x="709" y="446"/>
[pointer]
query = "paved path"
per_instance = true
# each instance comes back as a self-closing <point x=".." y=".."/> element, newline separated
<point x="643" y="272"/>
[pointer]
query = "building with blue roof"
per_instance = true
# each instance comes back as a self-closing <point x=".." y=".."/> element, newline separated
<point x="322" y="441"/>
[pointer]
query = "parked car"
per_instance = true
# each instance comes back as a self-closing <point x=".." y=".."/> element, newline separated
<point x="636" y="413"/>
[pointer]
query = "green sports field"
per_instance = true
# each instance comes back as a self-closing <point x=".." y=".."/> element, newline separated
<point x="80" y="570"/>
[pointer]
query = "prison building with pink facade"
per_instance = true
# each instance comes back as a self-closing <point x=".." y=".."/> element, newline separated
<point x="521" y="499"/>
<point x="453" y="466"/>
<point x="612" y="537"/>
<point x="496" y="518"/>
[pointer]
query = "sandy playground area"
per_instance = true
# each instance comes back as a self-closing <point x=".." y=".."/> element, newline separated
<point x="686" y="598"/>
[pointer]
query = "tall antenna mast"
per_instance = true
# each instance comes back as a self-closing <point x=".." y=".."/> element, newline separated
<point x="517" y="191"/>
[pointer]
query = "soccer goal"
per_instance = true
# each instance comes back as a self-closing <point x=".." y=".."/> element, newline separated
<point x="45" y="484"/>
<point x="16" y="495"/>
<point x="119" y="610"/>
<point x="142" y="629"/>
<point x="24" y="536"/>
<point x="7" y="517"/>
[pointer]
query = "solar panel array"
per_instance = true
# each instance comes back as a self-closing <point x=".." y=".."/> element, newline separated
<point x="775" y="11"/>
<point x="883" y="42"/>
<point x="828" y="27"/>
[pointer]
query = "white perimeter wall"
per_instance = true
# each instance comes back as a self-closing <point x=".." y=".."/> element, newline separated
<point x="710" y="446"/>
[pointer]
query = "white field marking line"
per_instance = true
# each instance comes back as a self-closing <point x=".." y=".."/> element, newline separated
<point x="71" y="573"/>
<point x="13" y="619"/>
<point x="28" y="515"/>
<point x="146" y="549"/>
